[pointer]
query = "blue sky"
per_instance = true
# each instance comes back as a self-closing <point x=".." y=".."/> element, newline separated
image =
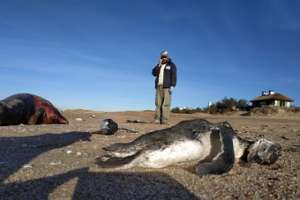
<point x="99" y="54"/>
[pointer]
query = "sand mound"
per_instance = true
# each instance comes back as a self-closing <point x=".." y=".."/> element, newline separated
<point x="273" y="111"/>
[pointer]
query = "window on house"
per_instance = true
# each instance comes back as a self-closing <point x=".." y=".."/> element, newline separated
<point x="282" y="103"/>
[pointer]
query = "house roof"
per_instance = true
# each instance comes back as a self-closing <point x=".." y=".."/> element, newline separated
<point x="275" y="96"/>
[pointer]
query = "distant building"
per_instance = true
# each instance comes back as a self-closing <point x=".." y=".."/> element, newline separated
<point x="272" y="99"/>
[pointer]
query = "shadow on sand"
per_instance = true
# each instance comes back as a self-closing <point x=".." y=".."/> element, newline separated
<point x="18" y="151"/>
<point x="99" y="185"/>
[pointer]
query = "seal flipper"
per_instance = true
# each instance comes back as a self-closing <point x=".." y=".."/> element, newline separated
<point x="125" y="149"/>
<point x="37" y="117"/>
<point x="122" y="150"/>
<point x="107" y="161"/>
<point x="116" y="147"/>
<point x="223" y="161"/>
<point x="218" y="166"/>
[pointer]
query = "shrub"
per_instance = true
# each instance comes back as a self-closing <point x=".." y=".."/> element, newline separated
<point x="186" y="110"/>
<point x="264" y="110"/>
<point x="223" y="106"/>
<point x="295" y="110"/>
<point x="228" y="105"/>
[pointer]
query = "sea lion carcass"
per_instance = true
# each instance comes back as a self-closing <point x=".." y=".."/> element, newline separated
<point x="27" y="108"/>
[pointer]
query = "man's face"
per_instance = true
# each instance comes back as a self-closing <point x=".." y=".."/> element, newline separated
<point x="164" y="59"/>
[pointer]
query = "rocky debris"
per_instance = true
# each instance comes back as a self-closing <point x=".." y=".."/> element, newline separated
<point x="293" y="148"/>
<point x="284" y="137"/>
<point x="27" y="166"/>
<point x="135" y="121"/>
<point x="69" y="151"/>
<point x="54" y="163"/>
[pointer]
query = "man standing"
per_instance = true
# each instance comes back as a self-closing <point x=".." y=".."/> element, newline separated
<point x="166" y="75"/>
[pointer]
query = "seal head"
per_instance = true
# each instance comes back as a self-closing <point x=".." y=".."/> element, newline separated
<point x="264" y="152"/>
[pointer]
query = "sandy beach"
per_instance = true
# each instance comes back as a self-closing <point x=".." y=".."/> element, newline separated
<point x="57" y="161"/>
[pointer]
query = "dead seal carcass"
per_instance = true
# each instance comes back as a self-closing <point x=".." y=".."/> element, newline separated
<point x="216" y="147"/>
<point x="29" y="109"/>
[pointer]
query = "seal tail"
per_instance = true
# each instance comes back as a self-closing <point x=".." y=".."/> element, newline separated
<point x="107" y="161"/>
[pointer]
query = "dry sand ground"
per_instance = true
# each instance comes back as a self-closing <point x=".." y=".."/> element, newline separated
<point x="57" y="162"/>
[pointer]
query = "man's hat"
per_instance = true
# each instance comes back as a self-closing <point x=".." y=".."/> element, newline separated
<point x="164" y="53"/>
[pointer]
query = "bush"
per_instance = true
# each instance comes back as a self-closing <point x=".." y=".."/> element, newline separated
<point x="223" y="106"/>
<point x="228" y="105"/>
<point x="243" y="105"/>
<point x="186" y="110"/>
<point x="265" y="110"/>
<point x="296" y="110"/>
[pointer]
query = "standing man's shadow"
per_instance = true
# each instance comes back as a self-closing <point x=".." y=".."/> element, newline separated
<point x="18" y="151"/>
<point x="99" y="185"/>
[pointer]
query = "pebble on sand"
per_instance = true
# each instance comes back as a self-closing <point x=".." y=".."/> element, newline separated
<point x="68" y="151"/>
<point x="27" y="166"/>
<point x="79" y="119"/>
<point x="53" y="163"/>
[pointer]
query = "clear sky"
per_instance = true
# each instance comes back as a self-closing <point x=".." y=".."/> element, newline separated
<point x="99" y="54"/>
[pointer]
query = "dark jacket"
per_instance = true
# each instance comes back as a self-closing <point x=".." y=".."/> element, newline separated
<point x="170" y="74"/>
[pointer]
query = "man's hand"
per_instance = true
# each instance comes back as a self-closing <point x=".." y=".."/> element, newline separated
<point x="159" y="62"/>
<point x="171" y="89"/>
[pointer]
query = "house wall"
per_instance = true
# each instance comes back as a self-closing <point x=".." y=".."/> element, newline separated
<point x="263" y="103"/>
<point x="271" y="103"/>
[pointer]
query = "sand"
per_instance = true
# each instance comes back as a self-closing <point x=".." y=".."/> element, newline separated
<point x="57" y="161"/>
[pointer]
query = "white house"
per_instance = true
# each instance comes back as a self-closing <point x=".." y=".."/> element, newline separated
<point x="272" y="99"/>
